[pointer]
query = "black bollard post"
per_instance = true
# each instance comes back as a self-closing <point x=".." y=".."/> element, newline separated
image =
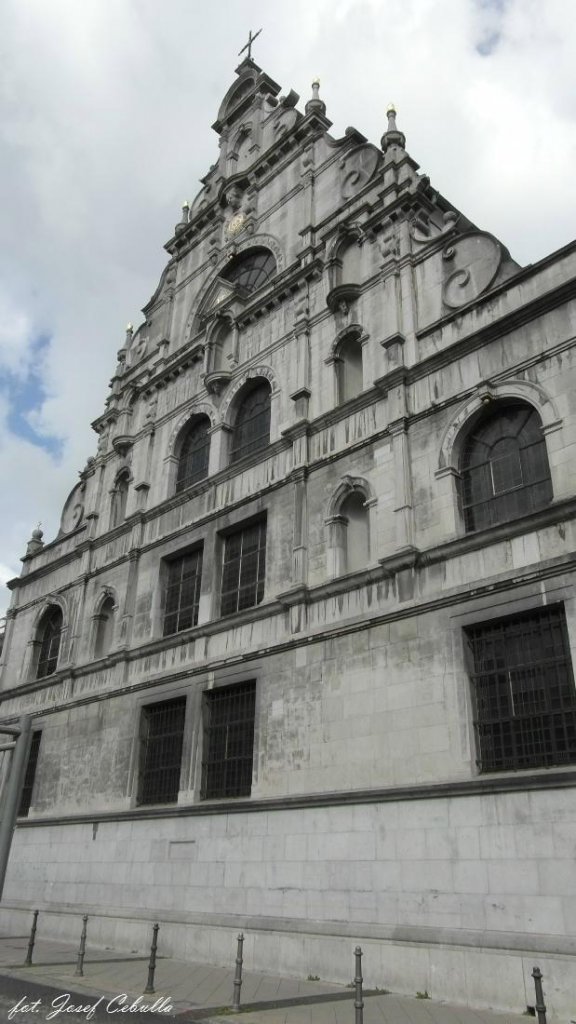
<point x="152" y="962"/>
<point x="358" y="1000"/>
<point x="539" y="1005"/>
<point x="238" y="974"/>
<point x="31" y="941"/>
<point x="79" y="972"/>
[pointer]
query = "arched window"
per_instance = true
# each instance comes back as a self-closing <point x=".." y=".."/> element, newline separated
<point x="119" y="499"/>
<point x="104" y="628"/>
<point x="194" y="452"/>
<point x="349" y="370"/>
<point x="252" y="426"/>
<point x="250" y="270"/>
<point x="504" y="467"/>
<point x="49" y="633"/>
<point x="356" y="536"/>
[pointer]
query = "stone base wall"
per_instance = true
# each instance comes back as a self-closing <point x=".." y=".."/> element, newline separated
<point x="459" y="896"/>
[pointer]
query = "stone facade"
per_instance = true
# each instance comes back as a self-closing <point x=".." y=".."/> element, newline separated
<point x="376" y="810"/>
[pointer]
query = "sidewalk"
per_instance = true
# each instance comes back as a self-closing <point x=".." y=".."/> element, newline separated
<point x="200" y="992"/>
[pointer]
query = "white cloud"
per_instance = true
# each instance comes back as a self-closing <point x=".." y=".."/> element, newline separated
<point x="105" y="114"/>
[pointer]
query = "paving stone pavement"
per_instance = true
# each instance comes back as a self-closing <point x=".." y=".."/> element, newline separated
<point x="204" y="992"/>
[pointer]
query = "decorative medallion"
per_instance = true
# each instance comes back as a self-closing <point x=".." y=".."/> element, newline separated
<point x="236" y="224"/>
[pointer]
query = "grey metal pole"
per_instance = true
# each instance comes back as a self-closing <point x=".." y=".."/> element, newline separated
<point x="14" y="785"/>
<point x="539" y="1006"/>
<point x="152" y="961"/>
<point x="79" y="972"/>
<point x="358" y="999"/>
<point x="31" y="941"/>
<point x="238" y="974"/>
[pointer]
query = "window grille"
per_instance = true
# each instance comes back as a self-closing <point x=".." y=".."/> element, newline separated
<point x="243" y="568"/>
<point x="525" y="701"/>
<point x="50" y="634"/>
<point x="504" y="471"/>
<point x="30" y="776"/>
<point x="252" y="425"/>
<point x="228" y="741"/>
<point x="193" y="461"/>
<point x="161" y="737"/>
<point x="251" y="270"/>
<point x="184" y="576"/>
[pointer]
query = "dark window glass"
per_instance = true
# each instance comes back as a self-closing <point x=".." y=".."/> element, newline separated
<point x="252" y="426"/>
<point x="504" y="470"/>
<point x="49" y="637"/>
<point x="243" y="568"/>
<point x="228" y="740"/>
<point x="251" y="270"/>
<point x="162" y="733"/>
<point x="183" y="592"/>
<point x="525" y="701"/>
<point x="193" y="460"/>
<point x="26" y="796"/>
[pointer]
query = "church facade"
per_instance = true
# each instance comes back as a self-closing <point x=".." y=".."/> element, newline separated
<point x="300" y="658"/>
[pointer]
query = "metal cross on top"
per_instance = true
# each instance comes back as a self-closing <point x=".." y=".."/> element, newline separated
<point x="248" y="46"/>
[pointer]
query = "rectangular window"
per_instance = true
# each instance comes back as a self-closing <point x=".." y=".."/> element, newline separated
<point x="524" y="695"/>
<point x="228" y="740"/>
<point x="182" y="593"/>
<point x="30" y="776"/>
<point x="161" y="737"/>
<point x="243" y="568"/>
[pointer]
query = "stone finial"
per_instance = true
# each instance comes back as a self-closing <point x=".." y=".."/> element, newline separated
<point x="184" y="218"/>
<point x="36" y="543"/>
<point x="129" y="334"/>
<point x="315" y="105"/>
<point x="392" y="137"/>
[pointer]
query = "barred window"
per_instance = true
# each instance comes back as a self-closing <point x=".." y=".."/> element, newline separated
<point x="251" y="270"/>
<point x="30" y="776"/>
<point x="504" y="468"/>
<point x="228" y="740"/>
<point x="161" y="738"/>
<point x="182" y="594"/>
<point x="49" y="634"/>
<point x="524" y="696"/>
<point x="252" y="425"/>
<point x="243" y="568"/>
<point x="194" y="452"/>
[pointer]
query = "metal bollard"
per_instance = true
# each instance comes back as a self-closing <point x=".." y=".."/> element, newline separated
<point x="31" y="941"/>
<point x="238" y="974"/>
<point x="152" y="962"/>
<point x="79" y="972"/>
<point x="539" y="1005"/>
<point x="358" y="999"/>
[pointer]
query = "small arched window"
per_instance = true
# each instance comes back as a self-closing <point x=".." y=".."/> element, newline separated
<point x="252" y="425"/>
<point x="49" y="634"/>
<point x="104" y="628"/>
<point x="349" y="368"/>
<point x="251" y="270"/>
<point x="355" y="520"/>
<point x="504" y="467"/>
<point x="194" y="453"/>
<point x="119" y="500"/>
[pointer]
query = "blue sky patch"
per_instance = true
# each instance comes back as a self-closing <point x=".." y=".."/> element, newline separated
<point x="25" y="394"/>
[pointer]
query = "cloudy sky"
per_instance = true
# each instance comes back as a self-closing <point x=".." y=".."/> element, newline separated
<point x="105" y="114"/>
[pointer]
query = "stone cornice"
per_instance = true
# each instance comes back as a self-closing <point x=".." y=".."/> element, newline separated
<point x="481" y="785"/>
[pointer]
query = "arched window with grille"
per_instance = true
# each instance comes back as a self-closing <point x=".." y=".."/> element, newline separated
<point x="252" y="424"/>
<point x="504" y="467"/>
<point x="250" y="270"/>
<point x="193" y="454"/>
<point x="48" y="638"/>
